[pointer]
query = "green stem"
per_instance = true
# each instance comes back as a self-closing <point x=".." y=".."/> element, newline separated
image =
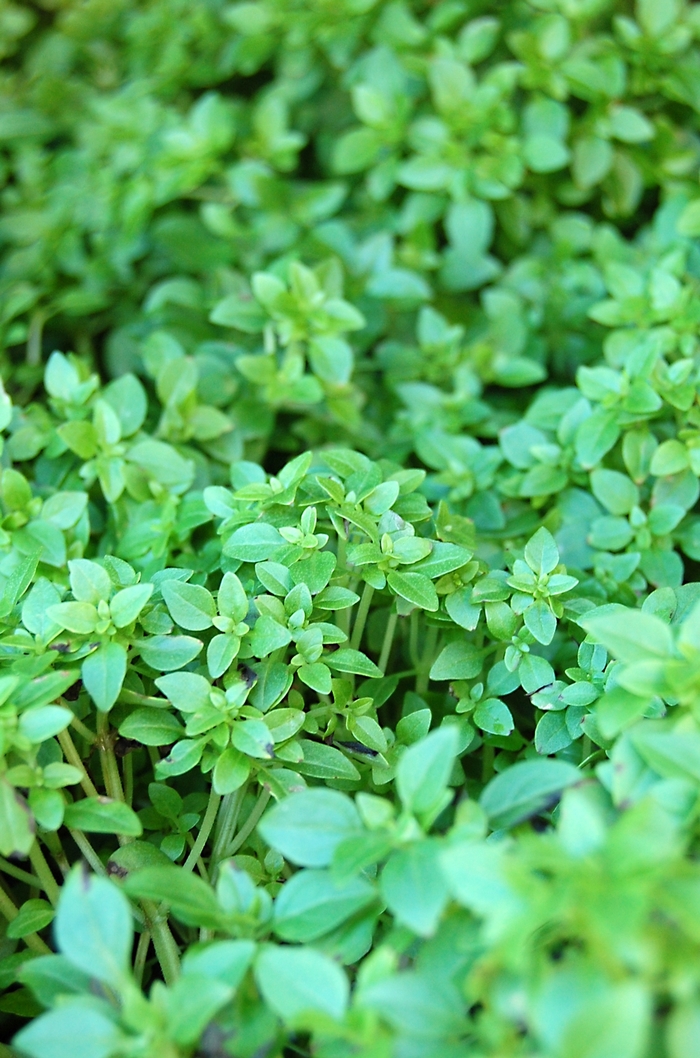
<point x="140" y="957"/>
<point x="36" y="327"/>
<point x="73" y="757"/>
<point x="426" y="661"/>
<point x="53" y="844"/>
<point x="110" y="768"/>
<point x="487" y="762"/>
<point x="83" y="730"/>
<point x="388" y="641"/>
<point x="586" y="749"/>
<point x="413" y="639"/>
<point x="43" y="873"/>
<point x="16" y="872"/>
<point x="249" y="825"/>
<point x="128" y="768"/>
<point x="10" y="912"/>
<point x="362" y="611"/>
<point x="226" y="826"/>
<point x="88" y="852"/>
<point x="204" y="831"/>
<point x="167" y="951"/>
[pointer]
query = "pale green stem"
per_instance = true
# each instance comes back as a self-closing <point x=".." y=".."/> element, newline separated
<point x="83" y="730"/>
<point x="166" y="949"/>
<point x="128" y="768"/>
<point x="43" y="873"/>
<point x="140" y="957"/>
<point x="361" y="618"/>
<point x="388" y="641"/>
<point x="16" y="872"/>
<point x="87" y="850"/>
<point x="73" y="757"/>
<point x="110" y="768"/>
<point x="426" y="662"/>
<point x="249" y="825"/>
<point x="204" y="831"/>
<point x="226" y="826"/>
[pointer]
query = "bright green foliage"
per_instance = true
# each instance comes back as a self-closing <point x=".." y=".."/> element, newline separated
<point x="349" y="529"/>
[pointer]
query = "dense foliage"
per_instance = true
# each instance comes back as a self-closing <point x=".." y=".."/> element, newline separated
<point x="349" y="597"/>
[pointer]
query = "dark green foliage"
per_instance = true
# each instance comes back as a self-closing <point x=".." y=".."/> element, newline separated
<point x="349" y="607"/>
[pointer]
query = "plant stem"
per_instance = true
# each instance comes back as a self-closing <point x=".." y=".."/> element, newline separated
<point x="128" y="768"/>
<point x="16" y="872"/>
<point x="249" y="825"/>
<point x="43" y="873"/>
<point x="53" y="844"/>
<point x="166" y="949"/>
<point x="226" y="826"/>
<point x="36" y="327"/>
<point x="140" y="957"/>
<point x="83" y="730"/>
<point x="361" y="618"/>
<point x="426" y="660"/>
<point x="10" y="912"/>
<point x="487" y="762"/>
<point x="388" y="641"/>
<point x="88" y="852"/>
<point x="204" y="831"/>
<point x="110" y="768"/>
<point x="73" y="757"/>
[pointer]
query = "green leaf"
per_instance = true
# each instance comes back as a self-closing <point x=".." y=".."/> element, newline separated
<point x="151" y="727"/>
<point x="596" y="436"/>
<point x="34" y="915"/>
<point x="190" y="606"/>
<point x="254" y="543"/>
<point x="298" y="981"/>
<point x="230" y="771"/>
<point x="16" y="823"/>
<point x="94" y="928"/>
<point x="189" y="897"/>
<point x="494" y="716"/>
<point x="103" y="674"/>
<point x="307" y="827"/>
<point x="540" y="620"/>
<point x="54" y="1035"/>
<point x="167" y="653"/>
<point x="525" y="789"/>
<point x="425" y="768"/>
<point x="457" y="661"/>
<point x="253" y="738"/>
<point x="346" y="660"/>
<point x="44" y="722"/>
<point x="78" y="617"/>
<point x="99" y="815"/>
<point x="416" y="588"/>
<point x="629" y="635"/>
<point x="312" y="904"/>
<point x="541" y="552"/>
<point x="128" y="603"/>
<point x="414" y="888"/>
<point x="325" y="762"/>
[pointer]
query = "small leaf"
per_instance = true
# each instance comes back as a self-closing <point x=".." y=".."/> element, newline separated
<point x="151" y="727"/>
<point x="33" y="916"/>
<point x="526" y="788"/>
<point x="298" y="981"/>
<point x="94" y="927"/>
<point x="308" y="826"/>
<point x="414" y="888"/>
<point x="103" y="674"/>
<point x="100" y="815"/>
<point x="416" y="588"/>
<point x="425" y="768"/>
